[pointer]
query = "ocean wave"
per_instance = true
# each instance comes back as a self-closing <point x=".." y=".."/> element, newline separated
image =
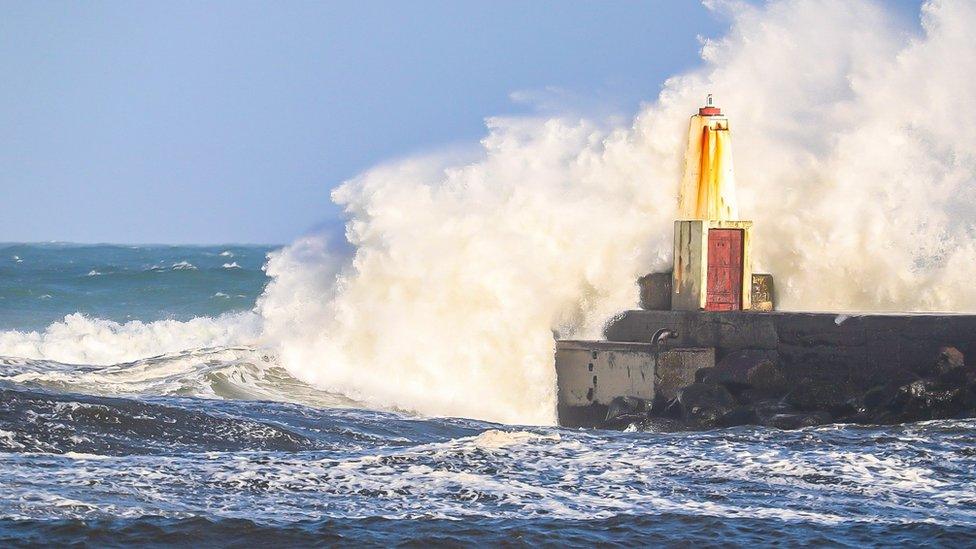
<point x="83" y="340"/>
<point x="272" y="462"/>
<point x="232" y="265"/>
<point x="240" y="373"/>
<point x="183" y="266"/>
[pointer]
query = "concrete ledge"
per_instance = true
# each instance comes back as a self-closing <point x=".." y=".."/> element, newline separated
<point x="851" y="351"/>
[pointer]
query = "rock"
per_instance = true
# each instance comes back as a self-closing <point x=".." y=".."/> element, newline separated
<point x="655" y="291"/>
<point x="949" y="358"/>
<point x="748" y="374"/>
<point x="703" y="373"/>
<point x="799" y="420"/>
<point x="735" y="367"/>
<point x="813" y="395"/>
<point x="704" y="403"/>
<point x="877" y="397"/>
<point x="626" y="410"/>
<point x="742" y="415"/>
<point x="926" y="399"/>
<point x="766" y="409"/>
<point x="766" y="379"/>
<point x="945" y="360"/>
<point x="661" y="425"/>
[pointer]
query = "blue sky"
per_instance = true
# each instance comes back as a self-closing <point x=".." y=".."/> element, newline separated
<point x="211" y="122"/>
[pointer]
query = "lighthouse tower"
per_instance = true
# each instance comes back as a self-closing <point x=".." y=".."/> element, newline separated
<point x="712" y="260"/>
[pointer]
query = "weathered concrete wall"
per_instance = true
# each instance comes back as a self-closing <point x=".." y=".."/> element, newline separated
<point x="851" y="352"/>
<point x="590" y="375"/>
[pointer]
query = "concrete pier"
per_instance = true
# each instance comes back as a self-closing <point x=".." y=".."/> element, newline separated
<point x="854" y="351"/>
<point x="850" y="367"/>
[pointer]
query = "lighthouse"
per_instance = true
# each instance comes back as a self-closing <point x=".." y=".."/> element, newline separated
<point x="712" y="260"/>
<point x="697" y="351"/>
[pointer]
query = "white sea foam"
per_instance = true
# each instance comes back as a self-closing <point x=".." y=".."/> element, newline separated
<point x="851" y="159"/>
<point x="82" y="340"/>
<point x="184" y="266"/>
<point x="232" y="265"/>
<point x="226" y="253"/>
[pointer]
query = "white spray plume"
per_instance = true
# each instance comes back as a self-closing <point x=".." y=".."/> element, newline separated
<point x="853" y="157"/>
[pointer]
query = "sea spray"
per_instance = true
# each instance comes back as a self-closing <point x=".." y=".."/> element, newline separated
<point x="462" y="272"/>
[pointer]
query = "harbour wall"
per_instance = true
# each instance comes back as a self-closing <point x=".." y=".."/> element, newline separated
<point x="853" y="352"/>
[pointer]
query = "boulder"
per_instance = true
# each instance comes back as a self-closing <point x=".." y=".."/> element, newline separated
<point x="819" y="394"/>
<point x="798" y="420"/>
<point x="624" y="411"/>
<point x="705" y="403"/>
<point x="741" y="415"/>
<point x="766" y="379"/>
<point x="927" y="399"/>
<point x="655" y="291"/>
<point x="704" y="373"/>
<point x="944" y="362"/>
<point x="769" y="408"/>
<point x="745" y="369"/>
<point x="878" y="397"/>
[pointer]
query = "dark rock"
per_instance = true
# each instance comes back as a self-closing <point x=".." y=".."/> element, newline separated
<point x="742" y="415"/>
<point x="877" y="397"/>
<point x="956" y="377"/>
<point x="655" y="291"/>
<point x="766" y="379"/>
<point x="734" y="368"/>
<point x="626" y="410"/>
<point x="946" y="360"/>
<point x="704" y="403"/>
<point x="949" y="358"/>
<point x="702" y="373"/>
<point x="799" y="420"/>
<point x="661" y="425"/>
<point x="814" y="395"/>
<point x="927" y="399"/>
<point x="771" y="407"/>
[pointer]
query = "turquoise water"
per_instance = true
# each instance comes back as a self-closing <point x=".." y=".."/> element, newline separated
<point x="41" y="283"/>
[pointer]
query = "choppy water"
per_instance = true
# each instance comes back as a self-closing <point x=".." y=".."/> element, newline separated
<point x="221" y="445"/>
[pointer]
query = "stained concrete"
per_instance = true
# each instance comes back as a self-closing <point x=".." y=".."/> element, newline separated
<point x="851" y="353"/>
<point x="590" y="375"/>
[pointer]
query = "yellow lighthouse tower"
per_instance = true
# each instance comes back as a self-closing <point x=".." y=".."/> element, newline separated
<point x="712" y="260"/>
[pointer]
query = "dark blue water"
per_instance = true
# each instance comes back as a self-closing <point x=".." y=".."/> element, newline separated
<point x="214" y="443"/>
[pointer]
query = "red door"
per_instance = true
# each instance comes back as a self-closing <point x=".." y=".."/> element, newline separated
<point x="724" y="289"/>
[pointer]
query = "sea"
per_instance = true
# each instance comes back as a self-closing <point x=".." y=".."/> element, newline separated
<point x="174" y="443"/>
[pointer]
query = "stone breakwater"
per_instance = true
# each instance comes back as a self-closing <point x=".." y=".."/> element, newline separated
<point x="792" y="370"/>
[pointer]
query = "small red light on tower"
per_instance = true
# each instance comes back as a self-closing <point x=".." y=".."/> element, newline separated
<point x="709" y="109"/>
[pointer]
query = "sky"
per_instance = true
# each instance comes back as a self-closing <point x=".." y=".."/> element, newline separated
<point x="230" y="122"/>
